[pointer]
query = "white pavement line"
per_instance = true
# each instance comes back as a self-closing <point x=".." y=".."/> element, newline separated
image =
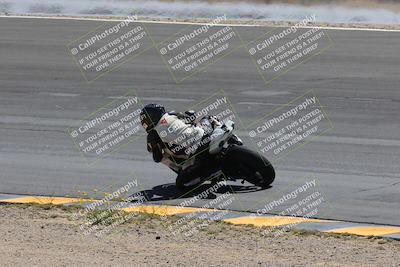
<point x="342" y="140"/>
<point x="156" y="99"/>
<point x="272" y="104"/>
<point x="64" y="94"/>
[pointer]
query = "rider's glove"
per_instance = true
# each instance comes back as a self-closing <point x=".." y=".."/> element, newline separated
<point x="155" y="145"/>
<point x="214" y="121"/>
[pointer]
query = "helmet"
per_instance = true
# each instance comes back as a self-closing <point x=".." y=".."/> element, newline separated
<point x="150" y="116"/>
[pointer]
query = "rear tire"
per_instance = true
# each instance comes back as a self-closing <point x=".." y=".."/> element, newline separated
<point x="251" y="166"/>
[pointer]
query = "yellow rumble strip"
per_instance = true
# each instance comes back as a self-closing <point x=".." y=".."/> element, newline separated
<point x="367" y="230"/>
<point x="43" y="200"/>
<point x="269" y="221"/>
<point x="252" y="219"/>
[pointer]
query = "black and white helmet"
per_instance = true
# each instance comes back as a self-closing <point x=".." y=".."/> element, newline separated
<point x="151" y="115"/>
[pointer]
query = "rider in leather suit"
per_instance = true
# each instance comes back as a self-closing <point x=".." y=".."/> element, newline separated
<point x="177" y="136"/>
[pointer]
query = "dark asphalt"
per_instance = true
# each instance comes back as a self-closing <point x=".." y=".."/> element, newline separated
<point x="356" y="163"/>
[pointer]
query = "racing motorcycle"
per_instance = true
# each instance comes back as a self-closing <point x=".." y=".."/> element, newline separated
<point x="225" y="158"/>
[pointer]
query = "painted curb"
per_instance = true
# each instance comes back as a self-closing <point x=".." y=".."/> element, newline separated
<point x="233" y="217"/>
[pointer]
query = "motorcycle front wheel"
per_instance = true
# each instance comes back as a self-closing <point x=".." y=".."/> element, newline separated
<point x="243" y="163"/>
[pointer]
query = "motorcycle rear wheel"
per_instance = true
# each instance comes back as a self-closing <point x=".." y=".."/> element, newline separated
<point x="248" y="165"/>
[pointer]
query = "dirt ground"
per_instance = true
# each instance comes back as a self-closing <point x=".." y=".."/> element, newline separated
<point x="50" y="236"/>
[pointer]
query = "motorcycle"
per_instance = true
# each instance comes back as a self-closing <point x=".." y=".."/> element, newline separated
<point x="225" y="158"/>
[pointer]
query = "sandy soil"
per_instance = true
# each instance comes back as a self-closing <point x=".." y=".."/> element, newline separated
<point x="37" y="236"/>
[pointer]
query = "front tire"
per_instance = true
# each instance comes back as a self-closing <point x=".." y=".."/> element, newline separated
<point x="248" y="165"/>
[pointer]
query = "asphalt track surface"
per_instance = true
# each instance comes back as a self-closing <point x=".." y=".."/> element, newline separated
<point x="356" y="163"/>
